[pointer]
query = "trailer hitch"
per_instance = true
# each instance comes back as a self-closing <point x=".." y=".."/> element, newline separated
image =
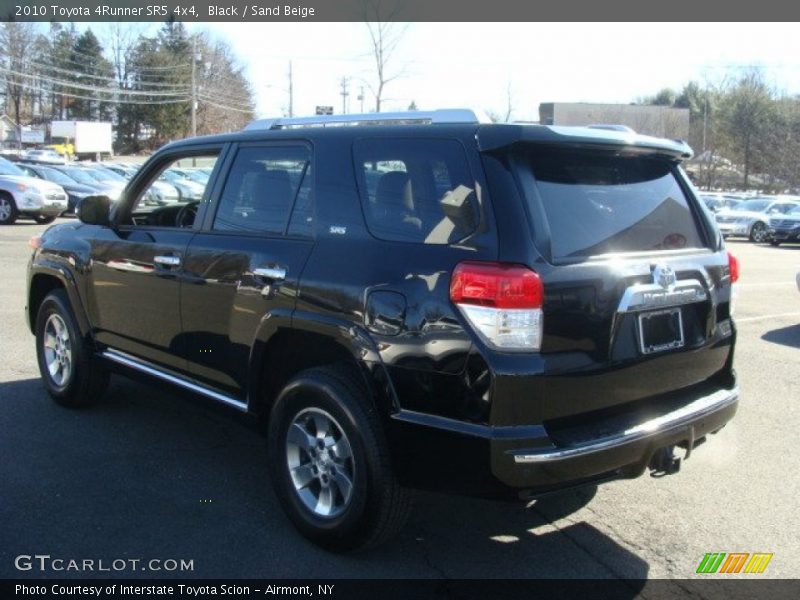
<point x="664" y="462"/>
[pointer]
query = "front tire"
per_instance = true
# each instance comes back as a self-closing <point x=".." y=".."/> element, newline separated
<point x="329" y="462"/>
<point x="758" y="232"/>
<point x="8" y="210"/>
<point x="70" y="374"/>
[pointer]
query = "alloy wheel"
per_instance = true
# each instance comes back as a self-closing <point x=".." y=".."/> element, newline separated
<point x="57" y="350"/>
<point x="759" y="232"/>
<point x="5" y="209"/>
<point x="320" y="462"/>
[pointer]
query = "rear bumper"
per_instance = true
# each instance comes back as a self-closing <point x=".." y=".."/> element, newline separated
<point x="533" y="460"/>
<point x="625" y="453"/>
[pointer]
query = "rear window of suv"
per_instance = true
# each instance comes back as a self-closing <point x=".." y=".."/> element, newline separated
<point x="599" y="204"/>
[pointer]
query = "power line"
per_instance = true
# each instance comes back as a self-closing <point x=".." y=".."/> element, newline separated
<point x="95" y="99"/>
<point x="222" y="106"/>
<point x="78" y="86"/>
<point x="99" y="77"/>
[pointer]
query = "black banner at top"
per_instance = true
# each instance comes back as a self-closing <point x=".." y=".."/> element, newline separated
<point x="255" y="11"/>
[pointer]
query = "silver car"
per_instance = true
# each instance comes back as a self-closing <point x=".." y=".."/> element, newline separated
<point x="25" y="196"/>
<point x="750" y="219"/>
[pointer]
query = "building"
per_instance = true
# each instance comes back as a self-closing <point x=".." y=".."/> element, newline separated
<point x="661" y="121"/>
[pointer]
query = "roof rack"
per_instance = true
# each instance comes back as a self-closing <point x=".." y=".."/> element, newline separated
<point x="447" y="116"/>
<point x="612" y="127"/>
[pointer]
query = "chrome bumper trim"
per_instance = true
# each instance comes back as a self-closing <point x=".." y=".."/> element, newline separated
<point x="700" y="407"/>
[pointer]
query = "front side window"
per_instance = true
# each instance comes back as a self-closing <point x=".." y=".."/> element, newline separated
<point x="418" y="190"/>
<point x="174" y="203"/>
<point x="262" y="188"/>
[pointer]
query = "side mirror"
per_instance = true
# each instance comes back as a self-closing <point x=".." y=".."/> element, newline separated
<point x="94" y="210"/>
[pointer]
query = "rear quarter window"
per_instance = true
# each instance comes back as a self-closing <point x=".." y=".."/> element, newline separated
<point x="417" y="190"/>
<point x="599" y="204"/>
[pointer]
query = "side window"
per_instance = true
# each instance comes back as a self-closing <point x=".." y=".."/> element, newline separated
<point x="417" y="190"/>
<point x="261" y="189"/>
<point x="174" y="195"/>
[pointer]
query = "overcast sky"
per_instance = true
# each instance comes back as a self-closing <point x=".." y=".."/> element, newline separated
<point x="471" y="64"/>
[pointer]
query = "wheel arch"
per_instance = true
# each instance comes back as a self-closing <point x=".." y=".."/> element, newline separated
<point x="288" y="343"/>
<point x="44" y="279"/>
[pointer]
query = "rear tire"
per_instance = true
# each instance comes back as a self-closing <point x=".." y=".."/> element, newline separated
<point x="774" y="243"/>
<point x="44" y="220"/>
<point x="70" y="373"/>
<point x="329" y="462"/>
<point x="8" y="209"/>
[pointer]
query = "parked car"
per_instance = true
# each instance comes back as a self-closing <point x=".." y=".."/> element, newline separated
<point x="409" y="303"/>
<point x="785" y="228"/>
<point x="187" y="188"/>
<point x="44" y="156"/>
<point x="25" y="196"/>
<point x="750" y="219"/>
<point x="82" y="175"/>
<point x="75" y="191"/>
<point x="716" y="203"/>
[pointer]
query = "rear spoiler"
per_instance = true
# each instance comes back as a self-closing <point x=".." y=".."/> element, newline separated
<point x="495" y="137"/>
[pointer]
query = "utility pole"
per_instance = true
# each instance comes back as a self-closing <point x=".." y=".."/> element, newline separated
<point x="344" y="83"/>
<point x="194" y="86"/>
<point x="705" y="120"/>
<point x="291" y="92"/>
<point x="361" y="99"/>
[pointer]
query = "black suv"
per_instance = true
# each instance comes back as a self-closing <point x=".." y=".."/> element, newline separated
<point x="414" y="300"/>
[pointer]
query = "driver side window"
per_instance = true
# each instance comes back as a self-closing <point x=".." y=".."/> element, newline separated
<point x="177" y="194"/>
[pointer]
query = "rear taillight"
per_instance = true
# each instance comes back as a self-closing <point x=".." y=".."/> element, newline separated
<point x="502" y="302"/>
<point x="733" y="267"/>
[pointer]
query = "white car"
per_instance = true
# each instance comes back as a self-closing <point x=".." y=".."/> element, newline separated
<point x="750" y="219"/>
<point x="24" y="196"/>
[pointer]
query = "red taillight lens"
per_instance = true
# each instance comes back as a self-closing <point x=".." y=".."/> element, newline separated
<point x="496" y="285"/>
<point x="733" y="267"/>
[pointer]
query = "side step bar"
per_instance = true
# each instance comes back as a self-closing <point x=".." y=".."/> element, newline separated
<point x="142" y="366"/>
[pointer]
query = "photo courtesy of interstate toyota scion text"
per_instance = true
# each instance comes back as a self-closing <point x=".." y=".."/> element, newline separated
<point x="419" y="300"/>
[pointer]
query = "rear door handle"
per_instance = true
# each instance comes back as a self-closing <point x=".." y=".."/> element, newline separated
<point x="274" y="274"/>
<point x="167" y="261"/>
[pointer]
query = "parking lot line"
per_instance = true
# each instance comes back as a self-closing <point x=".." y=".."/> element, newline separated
<point x="762" y="317"/>
<point x="757" y="284"/>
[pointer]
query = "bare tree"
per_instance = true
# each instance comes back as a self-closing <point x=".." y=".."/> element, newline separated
<point x="16" y="40"/>
<point x="509" y="102"/>
<point x="385" y="35"/>
<point x="121" y="39"/>
<point x="746" y="111"/>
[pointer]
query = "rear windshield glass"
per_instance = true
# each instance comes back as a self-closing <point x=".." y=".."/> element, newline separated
<point x="601" y="204"/>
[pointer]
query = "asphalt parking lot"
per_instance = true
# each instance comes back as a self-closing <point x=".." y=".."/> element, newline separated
<point x="150" y="474"/>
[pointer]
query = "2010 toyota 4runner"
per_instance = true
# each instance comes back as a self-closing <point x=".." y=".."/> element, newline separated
<point x="409" y="300"/>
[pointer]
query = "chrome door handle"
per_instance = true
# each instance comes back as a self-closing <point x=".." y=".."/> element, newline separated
<point x="271" y="273"/>
<point x="167" y="261"/>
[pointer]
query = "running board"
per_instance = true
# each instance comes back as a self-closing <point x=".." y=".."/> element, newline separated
<point x="144" y="367"/>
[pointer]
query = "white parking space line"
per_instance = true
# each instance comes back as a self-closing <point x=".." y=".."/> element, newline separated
<point x="766" y="283"/>
<point x="762" y="317"/>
